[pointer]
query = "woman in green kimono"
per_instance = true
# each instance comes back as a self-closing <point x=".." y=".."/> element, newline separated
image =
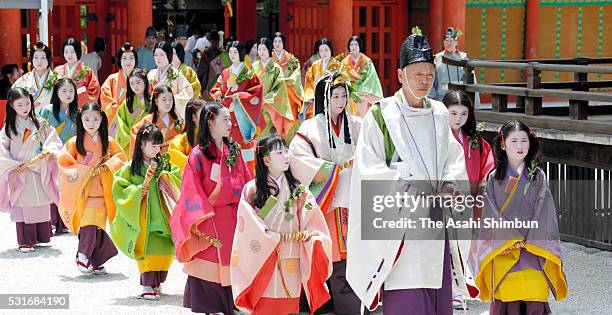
<point x="133" y="109"/>
<point x="364" y="78"/>
<point x="145" y="191"/>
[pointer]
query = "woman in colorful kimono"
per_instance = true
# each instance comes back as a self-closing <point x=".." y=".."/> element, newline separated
<point x="28" y="170"/>
<point x="61" y="115"/>
<point x="86" y="165"/>
<point x="364" y="78"/>
<point x="277" y="109"/>
<point x="181" y="145"/>
<point x="39" y="82"/>
<point x="178" y="62"/>
<point x="114" y="89"/>
<point x="282" y="218"/>
<point x="133" y="109"/>
<point x="166" y="74"/>
<point x="88" y="87"/>
<point x="239" y="89"/>
<point x="322" y="67"/>
<point x="162" y="114"/>
<point x="321" y="157"/>
<point x="145" y="191"/>
<point x="516" y="268"/>
<point x="291" y="73"/>
<point x="204" y="220"/>
<point x="251" y="52"/>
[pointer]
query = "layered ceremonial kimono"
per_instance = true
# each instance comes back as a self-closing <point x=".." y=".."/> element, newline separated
<point x="86" y="199"/>
<point x="141" y="226"/>
<point x="292" y="79"/>
<point x="524" y="275"/>
<point x="170" y="129"/>
<point x="27" y="195"/>
<point x="40" y="87"/>
<point x="364" y="79"/>
<point x="277" y="108"/>
<point x="192" y="77"/>
<point x="179" y="150"/>
<point x="65" y="126"/>
<point x="113" y="93"/>
<point x="241" y="91"/>
<point x="181" y="88"/>
<point x="203" y="225"/>
<point x="405" y="145"/>
<point x="88" y="87"/>
<point x="314" y="73"/>
<point x="270" y="280"/>
<point x="125" y="120"/>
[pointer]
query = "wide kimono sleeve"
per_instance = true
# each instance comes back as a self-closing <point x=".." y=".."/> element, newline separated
<point x="7" y="176"/>
<point x="92" y="88"/>
<point x="192" y="77"/>
<point x="293" y="77"/>
<point x="217" y="88"/>
<point x="309" y="84"/>
<point x="183" y="93"/>
<point x="108" y="100"/>
<point x="369" y="82"/>
<point x="123" y="132"/>
<point x="179" y="150"/>
<point x="454" y="165"/>
<point x="127" y="194"/>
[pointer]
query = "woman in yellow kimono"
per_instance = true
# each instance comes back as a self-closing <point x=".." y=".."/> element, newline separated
<point x="163" y="115"/>
<point x="178" y="62"/>
<point x="133" y="109"/>
<point x="317" y="70"/>
<point x="364" y="79"/>
<point x="88" y="87"/>
<point x="86" y="165"/>
<point x="114" y="89"/>
<point x="145" y="191"/>
<point x="277" y="109"/>
<point x="291" y="72"/>
<point x="182" y="144"/>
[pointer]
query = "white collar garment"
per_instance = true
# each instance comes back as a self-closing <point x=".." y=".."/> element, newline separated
<point x="166" y="119"/>
<point x="236" y="69"/>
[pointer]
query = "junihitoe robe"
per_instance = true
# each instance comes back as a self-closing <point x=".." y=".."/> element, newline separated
<point x="88" y="87"/>
<point x="124" y="120"/>
<point x="40" y="87"/>
<point x="364" y="79"/>
<point x="170" y="130"/>
<point x="277" y="108"/>
<point x="293" y="80"/>
<point x="181" y="88"/>
<point x="113" y="93"/>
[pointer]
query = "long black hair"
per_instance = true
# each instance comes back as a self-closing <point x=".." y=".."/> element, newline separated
<point x="192" y="107"/>
<point x="73" y="107"/>
<point x="501" y="158"/>
<point x="75" y="44"/>
<point x="239" y="46"/>
<point x="262" y="183"/>
<point x="129" y="100"/>
<point x="126" y="48"/>
<point x="146" y="133"/>
<point x="324" y="41"/>
<point x="205" y="138"/>
<point x="282" y="37"/>
<point x="40" y="46"/>
<point x="11" y="115"/>
<point x="249" y="45"/>
<point x="161" y="89"/>
<point x="102" y="131"/>
<point x="359" y="41"/>
<point x="266" y="42"/>
<point x="461" y="98"/>
<point x="321" y="94"/>
<point x="180" y="51"/>
<point x="165" y="47"/>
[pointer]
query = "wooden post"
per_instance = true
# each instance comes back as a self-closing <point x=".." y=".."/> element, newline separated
<point x="246" y="20"/>
<point x="454" y="15"/>
<point x="532" y="28"/>
<point x="341" y="26"/>
<point x="499" y="103"/>
<point x="533" y="105"/>
<point x="436" y="25"/>
<point x="578" y="110"/>
<point x="10" y="37"/>
<point x="141" y="17"/>
<point x="468" y="78"/>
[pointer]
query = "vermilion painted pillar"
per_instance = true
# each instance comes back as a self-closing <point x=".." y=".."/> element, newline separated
<point x="436" y="27"/>
<point x="140" y="17"/>
<point x="341" y="23"/>
<point x="10" y="36"/>
<point x="532" y="29"/>
<point x="454" y="15"/>
<point x="246" y="20"/>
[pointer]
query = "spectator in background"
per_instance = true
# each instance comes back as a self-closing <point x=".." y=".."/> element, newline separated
<point x="212" y="62"/>
<point x="145" y="51"/>
<point x="180" y="33"/>
<point x="191" y="41"/>
<point x="94" y="58"/>
<point x="10" y="74"/>
<point x="203" y="43"/>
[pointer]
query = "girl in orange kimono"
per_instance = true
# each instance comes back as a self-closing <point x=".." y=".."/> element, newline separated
<point x="291" y="72"/>
<point x="204" y="219"/>
<point x="280" y="217"/>
<point x="317" y="70"/>
<point x="163" y="115"/>
<point x="87" y="164"/>
<point x="240" y="90"/>
<point x="182" y="145"/>
<point x="114" y="89"/>
<point x="133" y="109"/>
<point x="88" y="87"/>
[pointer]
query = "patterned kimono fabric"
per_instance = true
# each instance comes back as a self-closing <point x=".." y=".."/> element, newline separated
<point x="277" y="108"/>
<point x="27" y="195"/>
<point x="170" y="130"/>
<point x="86" y="200"/>
<point x="113" y="94"/>
<point x="268" y="271"/>
<point x="181" y="88"/>
<point x="203" y="225"/>
<point x="292" y="79"/>
<point x="325" y="170"/>
<point x="242" y="93"/>
<point x="88" y="87"/>
<point x="364" y="79"/>
<point x="66" y="129"/>
<point x="192" y="77"/>
<point x="314" y="73"/>
<point x="125" y="120"/>
<point x="40" y="87"/>
<point x="141" y="228"/>
<point x="519" y="281"/>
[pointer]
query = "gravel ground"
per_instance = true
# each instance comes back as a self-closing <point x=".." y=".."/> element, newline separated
<point x="51" y="270"/>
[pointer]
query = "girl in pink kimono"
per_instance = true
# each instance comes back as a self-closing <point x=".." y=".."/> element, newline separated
<point x="281" y="245"/>
<point x="28" y="170"/>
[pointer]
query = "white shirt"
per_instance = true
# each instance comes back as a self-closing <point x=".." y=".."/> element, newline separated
<point x="201" y="44"/>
